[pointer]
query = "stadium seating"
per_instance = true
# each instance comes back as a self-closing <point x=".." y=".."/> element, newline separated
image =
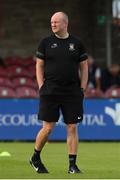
<point x="5" y="81"/>
<point x="112" y="93"/>
<point x="94" y="93"/>
<point x="17" y="79"/>
<point x="29" y="61"/>
<point x="13" y="61"/>
<point x="32" y="70"/>
<point x="26" y="92"/>
<point x="24" y="81"/>
<point x="17" y="71"/>
<point x="3" y="72"/>
<point x="7" y="92"/>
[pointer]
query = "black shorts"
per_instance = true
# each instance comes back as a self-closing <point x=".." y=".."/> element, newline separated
<point x="71" y="107"/>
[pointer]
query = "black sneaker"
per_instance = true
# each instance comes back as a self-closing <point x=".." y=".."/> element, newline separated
<point x="38" y="166"/>
<point x="74" y="169"/>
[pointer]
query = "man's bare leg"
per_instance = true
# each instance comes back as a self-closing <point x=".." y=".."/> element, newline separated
<point x="43" y="135"/>
<point x="72" y="139"/>
<point x="72" y="144"/>
<point x="41" y="139"/>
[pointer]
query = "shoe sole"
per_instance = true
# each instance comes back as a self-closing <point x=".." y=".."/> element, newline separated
<point x="74" y="172"/>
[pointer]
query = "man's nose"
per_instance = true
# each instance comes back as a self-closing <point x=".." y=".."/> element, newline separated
<point x="53" y="24"/>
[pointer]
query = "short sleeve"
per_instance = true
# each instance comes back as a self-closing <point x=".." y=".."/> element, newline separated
<point x="40" y="53"/>
<point x="82" y="52"/>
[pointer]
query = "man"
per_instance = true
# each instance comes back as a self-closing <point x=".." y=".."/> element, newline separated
<point x="59" y="59"/>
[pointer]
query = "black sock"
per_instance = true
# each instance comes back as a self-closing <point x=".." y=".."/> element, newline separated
<point x="72" y="159"/>
<point x="36" y="155"/>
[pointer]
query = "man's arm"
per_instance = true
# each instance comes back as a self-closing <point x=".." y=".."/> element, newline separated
<point x="84" y="74"/>
<point x="40" y="72"/>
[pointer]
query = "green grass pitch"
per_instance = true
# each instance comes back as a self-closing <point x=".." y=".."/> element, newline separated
<point x="96" y="160"/>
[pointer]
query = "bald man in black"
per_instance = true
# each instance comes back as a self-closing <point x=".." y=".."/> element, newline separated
<point x="62" y="74"/>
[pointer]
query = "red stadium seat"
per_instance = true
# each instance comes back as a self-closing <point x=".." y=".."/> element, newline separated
<point x="24" y="81"/>
<point x="17" y="71"/>
<point x="26" y="92"/>
<point x="5" y="81"/>
<point x="94" y="93"/>
<point x="7" y="92"/>
<point x="32" y="70"/>
<point x="3" y="72"/>
<point x="14" y="61"/>
<point x="113" y="93"/>
<point x="29" y="61"/>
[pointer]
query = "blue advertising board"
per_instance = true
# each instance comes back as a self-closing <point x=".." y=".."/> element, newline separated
<point x="18" y="120"/>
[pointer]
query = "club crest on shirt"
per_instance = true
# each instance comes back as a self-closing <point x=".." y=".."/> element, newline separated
<point x="71" y="47"/>
<point x="54" y="45"/>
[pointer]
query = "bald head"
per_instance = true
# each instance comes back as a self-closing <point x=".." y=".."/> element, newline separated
<point x="59" y="23"/>
<point x="61" y="15"/>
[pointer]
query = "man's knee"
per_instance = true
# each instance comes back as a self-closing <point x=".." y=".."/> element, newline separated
<point x="71" y="127"/>
<point x="48" y="128"/>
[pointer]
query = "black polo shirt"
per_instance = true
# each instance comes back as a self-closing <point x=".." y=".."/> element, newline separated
<point x="61" y="64"/>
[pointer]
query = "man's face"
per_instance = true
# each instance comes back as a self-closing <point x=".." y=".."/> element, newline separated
<point x="58" y="24"/>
